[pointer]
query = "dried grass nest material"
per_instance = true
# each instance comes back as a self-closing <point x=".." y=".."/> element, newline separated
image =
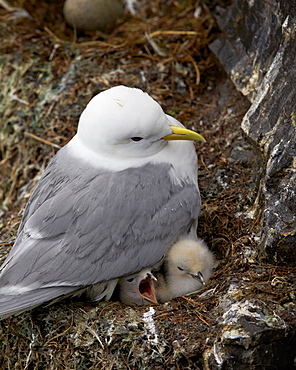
<point x="48" y="75"/>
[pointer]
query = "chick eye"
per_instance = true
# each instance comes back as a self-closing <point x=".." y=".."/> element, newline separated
<point x="136" y="138"/>
<point x="180" y="268"/>
<point x="130" y="280"/>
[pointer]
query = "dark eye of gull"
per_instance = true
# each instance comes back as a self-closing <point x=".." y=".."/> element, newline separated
<point x="136" y="138"/>
<point x="180" y="268"/>
<point x="130" y="280"/>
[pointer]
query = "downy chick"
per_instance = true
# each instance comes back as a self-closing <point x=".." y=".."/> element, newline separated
<point x="137" y="289"/>
<point x="188" y="266"/>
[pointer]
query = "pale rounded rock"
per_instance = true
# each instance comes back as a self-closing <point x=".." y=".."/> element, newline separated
<point x="92" y="15"/>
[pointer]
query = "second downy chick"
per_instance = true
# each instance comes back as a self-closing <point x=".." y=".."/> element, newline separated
<point x="137" y="289"/>
<point x="187" y="267"/>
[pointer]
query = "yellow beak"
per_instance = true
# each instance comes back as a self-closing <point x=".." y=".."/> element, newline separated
<point x="181" y="133"/>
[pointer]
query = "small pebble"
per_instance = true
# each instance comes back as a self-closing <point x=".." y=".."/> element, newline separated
<point x="93" y="15"/>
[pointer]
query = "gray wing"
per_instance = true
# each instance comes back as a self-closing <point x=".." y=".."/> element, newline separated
<point x="81" y="227"/>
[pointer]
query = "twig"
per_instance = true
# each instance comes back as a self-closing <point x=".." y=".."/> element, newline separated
<point x="191" y="301"/>
<point x="89" y="43"/>
<point x="197" y="79"/>
<point x="154" y="46"/>
<point x="156" y="33"/>
<point x="96" y="335"/>
<point x="58" y="335"/>
<point x="101" y="43"/>
<point x="201" y="319"/>
<point x="197" y="313"/>
<point x="203" y="163"/>
<point x="42" y="140"/>
<point x="6" y="6"/>
<point x="53" y="35"/>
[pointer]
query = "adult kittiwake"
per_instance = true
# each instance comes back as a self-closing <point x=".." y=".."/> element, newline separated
<point x="110" y="203"/>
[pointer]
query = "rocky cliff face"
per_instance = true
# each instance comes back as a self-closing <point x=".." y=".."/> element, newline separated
<point x="257" y="49"/>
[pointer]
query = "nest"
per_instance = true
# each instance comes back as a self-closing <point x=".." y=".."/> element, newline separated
<point x="49" y="73"/>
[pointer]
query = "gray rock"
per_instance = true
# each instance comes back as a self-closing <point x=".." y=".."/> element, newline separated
<point x="244" y="341"/>
<point x="257" y="49"/>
